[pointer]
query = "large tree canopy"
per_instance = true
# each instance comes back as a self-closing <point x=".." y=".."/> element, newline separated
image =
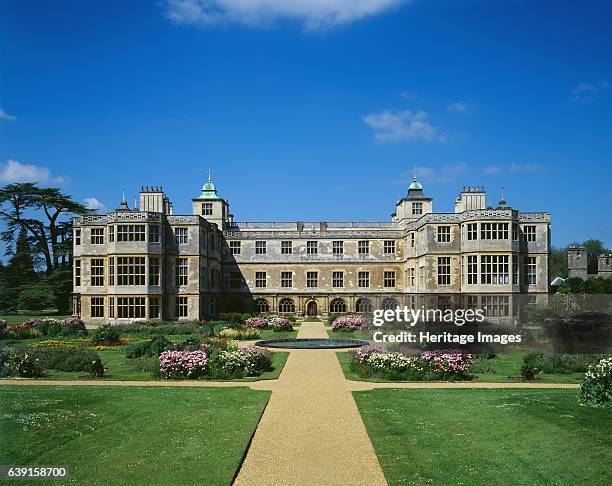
<point x="44" y="214"/>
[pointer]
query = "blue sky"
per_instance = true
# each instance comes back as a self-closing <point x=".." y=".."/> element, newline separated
<point x="314" y="110"/>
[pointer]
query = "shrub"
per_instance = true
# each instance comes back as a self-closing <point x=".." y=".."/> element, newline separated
<point x="233" y="364"/>
<point x="453" y="364"/>
<point x="258" y="322"/>
<point x="245" y="333"/>
<point x="73" y="326"/>
<point x="560" y="363"/>
<point x="351" y="323"/>
<point x="3" y="329"/>
<point x="262" y="358"/>
<point x="97" y="368"/>
<point x="231" y="317"/>
<point x="20" y="362"/>
<point x="178" y="365"/>
<point x="66" y="359"/>
<point x="105" y="333"/>
<point x="596" y="389"/>
<point x="220" y="343"/>
<point x="529" y="371"/>
<point x="153" y="347"/>
<point x="280" y="324"/>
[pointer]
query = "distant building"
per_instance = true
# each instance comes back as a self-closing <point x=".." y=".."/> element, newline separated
<point x="577" y="264"/>
<point x="149" y="263"/>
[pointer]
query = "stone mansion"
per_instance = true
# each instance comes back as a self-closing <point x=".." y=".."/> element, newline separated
<point x="148" y="263"/>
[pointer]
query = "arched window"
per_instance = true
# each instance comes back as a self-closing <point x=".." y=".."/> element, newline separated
<point x="262" y="305"/>
<point x="364" y="306"/>
<point x="389" y="303"/>
<point x="286" y="305"/>
<point x="337" y="306"/>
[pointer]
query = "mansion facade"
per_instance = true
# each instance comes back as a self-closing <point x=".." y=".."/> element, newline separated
<point x="148" y="263"/>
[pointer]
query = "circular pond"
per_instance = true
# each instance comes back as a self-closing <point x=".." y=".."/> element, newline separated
<point x="301" y="343"/>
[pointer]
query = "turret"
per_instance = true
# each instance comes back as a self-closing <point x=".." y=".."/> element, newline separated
<point x="415" y="204"/>
<point x="210" y="206"/>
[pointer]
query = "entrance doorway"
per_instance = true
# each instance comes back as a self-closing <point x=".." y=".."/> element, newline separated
<point x="311" y="308"/>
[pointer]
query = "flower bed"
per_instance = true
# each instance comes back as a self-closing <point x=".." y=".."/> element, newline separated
<point x="596" y="389"/>
<point x="33" y="328"/>
<point x="183" y="364"/>
<point x="280" y="324"/>
<point x="241" y="333"/>
<point x="351" y="323"/>
<point x="258" y="322"/>
<point x="374" y="362"/>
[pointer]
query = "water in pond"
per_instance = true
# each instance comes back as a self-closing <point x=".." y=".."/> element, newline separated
<point x="312" y="343"/>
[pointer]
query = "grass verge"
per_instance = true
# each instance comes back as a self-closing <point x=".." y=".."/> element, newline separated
<point x="487" y="437"/>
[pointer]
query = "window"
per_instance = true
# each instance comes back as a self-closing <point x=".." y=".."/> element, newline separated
<point x="154" y="233"/>
<point x="182" y="271"/>
<point x="207" y="209"/>
<point x="312" y="279"/>
<point x="312" y="247"/>
<point x="444" y="234"/>
<point x="97" y="272"/>
<point x="111" y="234"/>
<point x="389" y="279"/>
<point x="412" y="240"/>
<point x="444" y="270"/>
<point x="130" y="307"/>
<point x="111" y="271"/>
<point x="260" y="248"/>
<point x="363" y="247"/>
<point x="262" y="305"/>
<point x="130" y="270"/>
<point x="515" y="270"/>
<point x="235" y="280"/>
<point x="181" y="235"/>
<point x="154" y="271"/>
<point x="77" y="237"/>
<point x="494" y="231"/>
<point x="363" y="279"/>
<point x="472" y="270"/>
<point x="234" y="247"/>
<point x="97" y="307"/>
<point x="182" y="308"/>
<point x="529" y="233"/>
<point x="337" y="247"/>
<point x="338" y="279"/>
<point x="494" y="269"/>
<point x="286" y="305"/>
<point x="111" y="307"/>
<point x="286" y="279"/>
<point x="515" y="232"/>
<point x="389" y="303"/>
<point x="530" y="270"/>
<point x="337" y="306"/>
<point x="77" y="273"/>
<point x="411" y="276"/>
<point x="417" y="208"/>
<point x="260" y="280"/>
<point x="389" y="247"/>
<point x="364" y="306"/>
<point x="97" y="236"/>
<point x="496" y="305"/>
<point x="286" y="247"/>
<point x="131" y="232"/>
<point x="154" y="308"/>
<point x="472" y="231"/>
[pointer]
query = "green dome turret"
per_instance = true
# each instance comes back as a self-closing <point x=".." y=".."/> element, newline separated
<point x="209" y="191"/>
<point x="415" y="185"/>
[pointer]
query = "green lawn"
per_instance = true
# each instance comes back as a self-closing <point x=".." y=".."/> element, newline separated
<point x="270" y="334"/>
<point x="506" y="369"/>
<point x="488" y="437"/>
<point x="19" y="318"/>
<point x="115" y="435"/>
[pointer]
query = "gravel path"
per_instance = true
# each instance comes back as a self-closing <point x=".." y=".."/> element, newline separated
<point x="311" y="431"/>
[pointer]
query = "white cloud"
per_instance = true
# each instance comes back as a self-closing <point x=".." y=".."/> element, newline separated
<point x="13" y="171"/>
<point x="5" y="116"/>
<point x="459" y="106"/>
<point x="446" y="173"/>
<point x="93" y="203"/>
<point x="492" y="169"/>
<point x="584" y="92"/>
<point x="525" y="168"/>
<point x="314" y="14"/>
<point x="398" y="126"/>
<point x="409" y="95"/>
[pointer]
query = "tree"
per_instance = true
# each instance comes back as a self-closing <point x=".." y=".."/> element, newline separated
<point x="37" y="296"/>
<point x="38" y="224"/>
<point x="558" y="257"/>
